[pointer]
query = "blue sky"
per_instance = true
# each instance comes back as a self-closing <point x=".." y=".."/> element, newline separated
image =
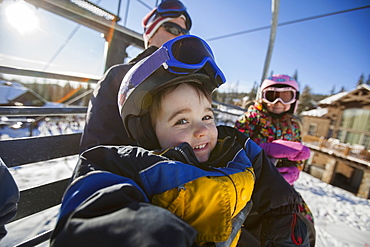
<point x="327" y="52"/>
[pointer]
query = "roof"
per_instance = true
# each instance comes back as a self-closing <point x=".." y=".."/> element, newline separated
<point x="329" y="100"/>
<point x="320" y="112"/>
<point x="10" y="91"/>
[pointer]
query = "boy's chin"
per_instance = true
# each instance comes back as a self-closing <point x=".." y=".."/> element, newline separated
<point x="203" y="158"/>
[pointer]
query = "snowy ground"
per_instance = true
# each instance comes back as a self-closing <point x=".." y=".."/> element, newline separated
<point x="341" y="218"/>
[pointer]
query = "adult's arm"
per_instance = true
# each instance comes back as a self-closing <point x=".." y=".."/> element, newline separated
<point x="103" y="121"/>
<point x="9" y="197"/>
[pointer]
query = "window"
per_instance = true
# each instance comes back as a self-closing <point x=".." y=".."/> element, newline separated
<point x="357" y="119"/>
<point x="355" y="126"/>
<point x="312" y="129"/>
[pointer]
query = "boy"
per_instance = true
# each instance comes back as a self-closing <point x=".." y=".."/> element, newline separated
<point x="205" y="175"/>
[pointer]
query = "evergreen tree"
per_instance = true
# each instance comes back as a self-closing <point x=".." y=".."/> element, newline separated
<point x="86" y="99"/>
<point x="368" y="80"/>
<point x="332" y="91"/>
<point x="361" y="79"/>
<point x="295" y="75"/>
<point x="342" y="90"/>
<point x="253" y="93"/>
<point x="305" y="100"/>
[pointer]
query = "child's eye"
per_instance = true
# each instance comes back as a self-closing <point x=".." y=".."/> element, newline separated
<point x="181" y="121"/>
<point x="208" y="117"/>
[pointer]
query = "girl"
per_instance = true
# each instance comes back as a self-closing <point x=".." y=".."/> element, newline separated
<point x="271" y="123"/>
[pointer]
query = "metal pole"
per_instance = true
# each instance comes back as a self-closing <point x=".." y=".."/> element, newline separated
<point x="274" y="23"/>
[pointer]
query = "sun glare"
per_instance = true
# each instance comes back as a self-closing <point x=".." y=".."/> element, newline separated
<point x="21" y="17"/>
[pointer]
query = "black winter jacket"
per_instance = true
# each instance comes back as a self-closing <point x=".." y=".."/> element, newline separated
<point x="108" y="203"/>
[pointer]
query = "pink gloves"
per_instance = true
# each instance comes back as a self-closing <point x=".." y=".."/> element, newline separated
<point x="290" y="173"/>
<point x="293" y="151"/>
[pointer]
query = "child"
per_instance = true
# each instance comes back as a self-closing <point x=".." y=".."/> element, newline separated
<point x="197" y="185"/>
<point x="271" y="124"/>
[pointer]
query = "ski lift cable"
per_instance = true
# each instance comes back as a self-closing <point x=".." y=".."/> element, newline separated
<point x="70" y="36"/>
<point x="286" y="23"/>
<point x="143" y="3"/>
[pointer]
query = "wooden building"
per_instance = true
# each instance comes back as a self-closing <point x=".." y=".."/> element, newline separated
<point x="338" y="134"/>
<point x="344" y="116"/>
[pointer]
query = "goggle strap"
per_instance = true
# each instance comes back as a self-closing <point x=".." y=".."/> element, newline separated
<point x="151" y="64"/>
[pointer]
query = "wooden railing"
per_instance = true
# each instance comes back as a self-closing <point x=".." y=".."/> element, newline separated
<point x="333" y="146"/>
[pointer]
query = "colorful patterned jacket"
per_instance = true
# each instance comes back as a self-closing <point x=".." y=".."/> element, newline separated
<point x="262" y="126"/>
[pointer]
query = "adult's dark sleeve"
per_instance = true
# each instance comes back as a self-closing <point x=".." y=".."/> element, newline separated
<point x="103" y="121"/>
<point x="9" y="196"/>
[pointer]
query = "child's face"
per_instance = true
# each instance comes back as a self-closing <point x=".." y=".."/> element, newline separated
<point x="187" y="116"/>
<point x="278" y="107"/>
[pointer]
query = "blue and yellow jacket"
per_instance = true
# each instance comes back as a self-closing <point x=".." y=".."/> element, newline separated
<point x="210" y="196"/>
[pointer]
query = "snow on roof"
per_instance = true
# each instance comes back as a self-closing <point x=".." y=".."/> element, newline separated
<point x="335" y="97"/>
<point x="319" y="112"/>
<point x="364" y="86"/>
<point x="331" y="99"/>
<point x="10" y="91"/>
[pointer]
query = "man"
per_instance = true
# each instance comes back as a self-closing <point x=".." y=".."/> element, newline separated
<point x="103" y="122"/>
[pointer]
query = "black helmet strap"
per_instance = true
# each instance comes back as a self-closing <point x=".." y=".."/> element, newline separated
<point x="141" y="130"/>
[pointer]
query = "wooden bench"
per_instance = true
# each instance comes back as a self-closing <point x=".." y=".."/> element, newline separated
<point x="25" y="151"/>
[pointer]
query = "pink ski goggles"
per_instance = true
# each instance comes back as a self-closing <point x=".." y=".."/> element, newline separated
<point x="285" y="95"/>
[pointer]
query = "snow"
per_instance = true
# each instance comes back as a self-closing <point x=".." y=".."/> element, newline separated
<point x="341" y="218"/>
<point x="332" y="98"/>
<point x="318" y="112"/>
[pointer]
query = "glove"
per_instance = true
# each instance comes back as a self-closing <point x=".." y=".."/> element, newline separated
<point x="293" y="151"/>
<point x="290" y="173"/>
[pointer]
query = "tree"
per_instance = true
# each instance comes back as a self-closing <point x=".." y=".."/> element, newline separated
<point x="368" y="80"/>
<point x="332" y="91"/>
<point x="305" y="100"/>
<point x="360" y="80"/>
<point x="295" y="75"/>
<point x="253" y="93"/>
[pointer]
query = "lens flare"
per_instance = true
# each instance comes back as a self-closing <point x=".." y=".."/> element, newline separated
<point x="21" y="17"/>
